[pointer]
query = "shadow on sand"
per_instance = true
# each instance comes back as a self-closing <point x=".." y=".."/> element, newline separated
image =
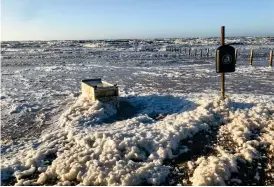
<point x="151" y="105"/>
<point x="239" y="105"/>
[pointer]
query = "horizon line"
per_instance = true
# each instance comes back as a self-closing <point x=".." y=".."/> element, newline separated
<point x="265" y="36"/>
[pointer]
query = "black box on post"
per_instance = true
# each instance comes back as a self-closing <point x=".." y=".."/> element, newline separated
<point x="225" y="59"/>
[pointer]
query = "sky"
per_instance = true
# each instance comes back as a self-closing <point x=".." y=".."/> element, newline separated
<point x="128" y="19"/>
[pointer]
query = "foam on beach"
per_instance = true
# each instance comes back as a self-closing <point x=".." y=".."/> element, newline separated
<point x="132" y="151"/>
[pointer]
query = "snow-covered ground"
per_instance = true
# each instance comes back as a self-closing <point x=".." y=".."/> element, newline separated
<point x="171" y="127"/>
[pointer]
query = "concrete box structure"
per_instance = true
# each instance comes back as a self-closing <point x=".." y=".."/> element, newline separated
<point x="96" y="89"/>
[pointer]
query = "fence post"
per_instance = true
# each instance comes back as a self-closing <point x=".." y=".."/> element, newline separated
<point x="222" y="41"/>
<point x="201" y="53"/>
<point x="207" y="52"/>
<point x="236" y="55"/>
<point x="251" y="57"/>
<point x="189" y="51"/>
<point x="271" y="58"/>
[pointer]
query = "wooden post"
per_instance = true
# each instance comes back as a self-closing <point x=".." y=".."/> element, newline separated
<point x="271" y="58"/>
<point x="215" y="55"/>
<point x="201" y="53"/>
<point x="251" y="57"/>
<point x="236" y="54"/>
<point x="222" y="74"/>
<point x="185" y="51"/>
<point x="207" y="52"/>
<point x="189" y="51"/>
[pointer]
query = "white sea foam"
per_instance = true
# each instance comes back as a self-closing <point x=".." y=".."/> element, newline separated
<point x="242" y="122"/>
<point x="131" y="152"/>
<point x="86" y="146"/>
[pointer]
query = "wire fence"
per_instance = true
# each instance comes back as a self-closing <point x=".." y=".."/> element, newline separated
<point x="210" y="53"/>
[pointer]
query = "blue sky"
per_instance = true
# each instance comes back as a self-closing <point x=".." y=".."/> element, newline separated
<point x="114" y="19"/>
